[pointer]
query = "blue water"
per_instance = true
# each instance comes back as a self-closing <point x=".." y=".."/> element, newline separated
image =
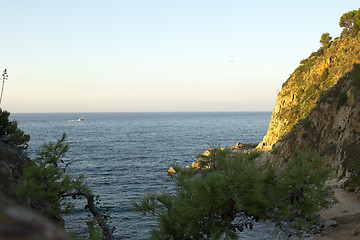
<point x="125" y="155"/>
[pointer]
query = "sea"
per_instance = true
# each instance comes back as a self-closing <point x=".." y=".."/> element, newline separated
<point x="126" y="155"/>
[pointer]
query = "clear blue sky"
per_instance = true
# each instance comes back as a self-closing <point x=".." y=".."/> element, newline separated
<point x="157" y="55"/>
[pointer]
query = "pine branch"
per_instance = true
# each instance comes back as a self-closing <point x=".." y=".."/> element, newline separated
<point x="108" y="233"/>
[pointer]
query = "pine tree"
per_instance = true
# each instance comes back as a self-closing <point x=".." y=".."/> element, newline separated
<point x="48" y="187"/>
<point x="231" y="192"/>
<point x="10" y="133"/>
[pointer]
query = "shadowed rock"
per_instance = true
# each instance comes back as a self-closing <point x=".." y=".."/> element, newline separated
<point x="17" y="222"/>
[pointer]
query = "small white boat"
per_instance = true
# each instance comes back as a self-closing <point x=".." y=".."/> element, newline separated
<point x="81" y="119"/>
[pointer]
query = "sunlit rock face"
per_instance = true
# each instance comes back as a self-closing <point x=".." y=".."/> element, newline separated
<point x="331" y="128"/>
<point x="315" y="76"/>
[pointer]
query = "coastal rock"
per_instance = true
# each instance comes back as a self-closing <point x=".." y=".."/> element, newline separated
<point x="243" y="146"/>
<point x="329" y="223"/>
<point x="171" y="170"/>
<point x="353" y="233"/>
<point x="196" y="165"/>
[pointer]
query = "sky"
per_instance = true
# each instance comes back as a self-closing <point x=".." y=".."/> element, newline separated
<point x="157" y="55"/>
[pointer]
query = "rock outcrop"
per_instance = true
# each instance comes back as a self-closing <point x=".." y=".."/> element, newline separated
<point x="316" y="75"/>
<point x="243" y="146"/>
<point x="318" y="107"/>
<point x="332" y="128"/>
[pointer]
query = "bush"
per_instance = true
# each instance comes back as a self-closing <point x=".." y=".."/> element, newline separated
<point x="324" y="75"/>
<point x="325" y="39"/>
<point x="10" y="133"/>
<point x="230" y="192"/>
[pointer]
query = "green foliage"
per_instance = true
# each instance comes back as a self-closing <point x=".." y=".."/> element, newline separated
<point x="95" y="231"/>
<point x="10" y="133"/>
<point x="324" y="75"/>
<point x="325" y="39"/>
<point x="45" y="181"/>
<point x="350" y="21"/>
<point x="303" y="182"/>
<point x="306" y="64"/>
<point x="231" y="192"/>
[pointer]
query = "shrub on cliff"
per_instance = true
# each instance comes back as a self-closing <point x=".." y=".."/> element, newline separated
<point x="231" y="192"/>
<point x="10" y="133"/>
<point x="325" y="39"/>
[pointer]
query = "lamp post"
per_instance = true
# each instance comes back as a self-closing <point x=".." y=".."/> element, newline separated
<point x="4" y="78"/>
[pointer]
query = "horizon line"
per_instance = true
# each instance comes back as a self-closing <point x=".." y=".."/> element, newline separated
<point x="255" y="111"/>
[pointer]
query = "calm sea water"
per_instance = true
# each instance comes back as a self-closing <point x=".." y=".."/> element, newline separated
<point x="125" y="155"/>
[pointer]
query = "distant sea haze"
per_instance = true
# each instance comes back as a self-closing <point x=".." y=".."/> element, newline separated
<point x="125" y="155"/>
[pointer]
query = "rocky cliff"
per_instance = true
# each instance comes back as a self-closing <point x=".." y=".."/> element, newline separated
<point x="332" y="128"/>
<point x="313" y="78"/>
<point x="318" y="107"/>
